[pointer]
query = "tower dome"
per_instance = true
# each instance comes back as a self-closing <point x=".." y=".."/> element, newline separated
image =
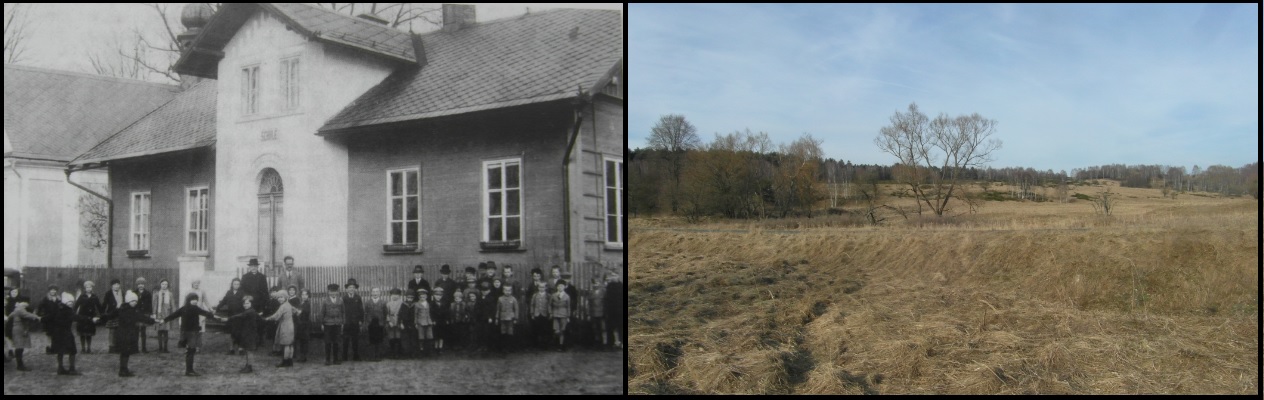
<point x="195" y="15"/>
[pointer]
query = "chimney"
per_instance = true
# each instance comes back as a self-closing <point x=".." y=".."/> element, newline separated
<point x="372" y="18"/>
<point x="457" y="16"/>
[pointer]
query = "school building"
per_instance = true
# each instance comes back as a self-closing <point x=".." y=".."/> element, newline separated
<point x="343" y="142"/>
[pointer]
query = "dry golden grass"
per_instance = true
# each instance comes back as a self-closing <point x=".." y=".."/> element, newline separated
<point x="1019" y="298"/>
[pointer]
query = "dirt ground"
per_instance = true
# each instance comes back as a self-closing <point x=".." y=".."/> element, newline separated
<point x="577" y="371"/>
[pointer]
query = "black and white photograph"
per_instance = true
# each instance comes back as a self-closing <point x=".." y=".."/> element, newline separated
<point x="310" y="199"/>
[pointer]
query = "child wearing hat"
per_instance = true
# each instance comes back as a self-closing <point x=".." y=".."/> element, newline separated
<point x="284" y="317"/>
<point x="485" y="312"/>
<point x="375" y="314"/>
<point x="246" y="328"/>
<point x="560" y="309"/>
<point x="190" y="316"/>
<point x="408" y="320"/>
<point x="109" y="306"/>
<point x="22" y="320"/>
<point x="58" y="322"/>
<point x="424" y="320"/>
<point x="456" y="321"/>
<point x="331" y="318"/>
<point x="469" y="320"/>
<point x="393" y="326"/>
<point x="130" y="318"/>
<point x="439" y="311"/>
<point x="87" y="305"/>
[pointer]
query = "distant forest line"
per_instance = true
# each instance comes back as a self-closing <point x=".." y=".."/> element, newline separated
<point x="757" y="180"/>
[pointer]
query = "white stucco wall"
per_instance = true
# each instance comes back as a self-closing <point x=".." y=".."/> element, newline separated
<point x="313" y="170"/>
<point x="41" y="215"/>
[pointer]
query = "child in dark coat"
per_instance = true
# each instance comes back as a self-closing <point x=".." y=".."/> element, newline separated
<point x="130" y="317"/>
<point x="331" y="317"/>
<point x="303" y="323"/>
<point x="58" y="324"/>
<point x="375" y="317"/>
<point x="22" y="321"/>
<point x="87" y="305"/>
<point x="394" y="327"/>
<point x="246" y="328"/>
<point x="408" y="318"/>
<point x="191" y="328"/>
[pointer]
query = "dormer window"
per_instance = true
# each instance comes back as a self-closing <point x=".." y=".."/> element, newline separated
<point x="250" y="90"/>
<point x="290" y="84"/>
<point x="612" y="89"/>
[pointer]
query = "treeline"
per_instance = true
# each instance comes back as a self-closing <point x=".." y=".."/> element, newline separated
<point x="1225" y="180"/>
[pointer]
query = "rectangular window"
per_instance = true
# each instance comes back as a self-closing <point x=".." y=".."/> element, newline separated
<point x="404" y="194"/>
<point x="290" y="84"/>
<point x="616" y="210"/>
<point x="140" y="221"/>
<point x="250" y="90"/>
<point x="502" y="200"/>
<point x="196" y="220"/>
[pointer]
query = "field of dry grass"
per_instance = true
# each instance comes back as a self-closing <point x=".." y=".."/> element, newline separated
<point x="1019" y="298"/>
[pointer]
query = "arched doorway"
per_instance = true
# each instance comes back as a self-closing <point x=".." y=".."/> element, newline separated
<point x="270" y="221"/>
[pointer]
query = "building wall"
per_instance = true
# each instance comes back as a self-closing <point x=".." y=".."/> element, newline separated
<point x="165" y="177"/>
<point x="450" y="156"/>
<point x="42" y="218"/>
<point x="312" y="169"/>
<point x="601" y="137"/>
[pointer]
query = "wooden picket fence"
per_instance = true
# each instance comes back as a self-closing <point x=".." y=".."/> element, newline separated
<point x="387" y="277"/>
<point x="36" y="280"/>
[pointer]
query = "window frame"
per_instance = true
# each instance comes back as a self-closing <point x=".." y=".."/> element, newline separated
<point x="134" y="224"/>
<point x="390" y="198"/>
<point x="485" y="193"/>
<point x="620" y="201"/>
<point x="291" y="83"/>
<point x="204" y="214"/>
<point x="247" y="92"/>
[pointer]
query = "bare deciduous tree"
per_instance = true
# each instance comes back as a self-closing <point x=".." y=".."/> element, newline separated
<point x="673" y="136"/>
<point x="938" y="151"/>
<point x="94" y="222"/>
<point x="1104" y="204"/>
<point x="16" y="20"/>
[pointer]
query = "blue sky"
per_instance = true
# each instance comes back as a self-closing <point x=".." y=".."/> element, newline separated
<point x="1070" y="85"/>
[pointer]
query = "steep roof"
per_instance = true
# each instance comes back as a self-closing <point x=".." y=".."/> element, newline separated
<point x="186" y="122"/>
<point x="56" y="115"/>
<point x="313" y="22"/>
<point x="534" y="58"/>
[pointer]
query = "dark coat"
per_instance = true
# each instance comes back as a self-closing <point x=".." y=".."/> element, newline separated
<point x="128" y="332"/>
<point x="144" y="302"/>
<point x="232" y="302"/>
<point x="255" y="284"/>
<point x="406" y="318"/>
<point x="413" y="285"/>
<point x="485" y="308"/>
<point x="353" y="311"/>
<point x="614" y="303"/>
<point x="246" y="328"/>
<point x="58" y="324"/>
<point x="331" y="313"/>
<point x="449" y="288"/>
<point x="303" y="321"/>
<point x="189" y="317"/>
<point x="90" y="307"/>
<point x="110" y="303"/>
<point x="46" y="307"/>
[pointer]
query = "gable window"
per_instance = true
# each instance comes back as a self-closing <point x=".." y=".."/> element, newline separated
<point x="250" y="90"/>
<point x="616" y="210"/>
<point x="290" y="84"/>
<point x="502" y="200"/>
<point x="140" y="221"/>
<point x="195" y="220"/>
<point x="405" y="207"/>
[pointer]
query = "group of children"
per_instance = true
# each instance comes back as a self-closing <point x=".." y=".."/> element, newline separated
<point x="478" y="314"/>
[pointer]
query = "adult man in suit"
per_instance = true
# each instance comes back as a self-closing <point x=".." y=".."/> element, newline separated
<point x="418" y="281"/>
<point x="445" y="281"/>
<point x="255" y="284"/>
<point x="290" y="277"/>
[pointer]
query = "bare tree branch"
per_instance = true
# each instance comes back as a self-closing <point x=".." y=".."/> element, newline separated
<point x="16" y="20"/>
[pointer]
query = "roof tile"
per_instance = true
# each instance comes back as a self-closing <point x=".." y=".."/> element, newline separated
<point x="186" y="122"/>
<point x="513" y="61"/>
<point x="56" y="115"/>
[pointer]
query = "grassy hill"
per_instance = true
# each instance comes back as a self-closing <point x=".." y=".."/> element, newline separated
<point x="1019" y="297"/>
